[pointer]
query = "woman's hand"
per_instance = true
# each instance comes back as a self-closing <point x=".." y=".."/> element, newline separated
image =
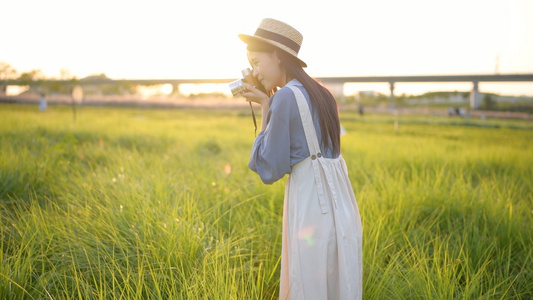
<point x="255" y="95"/>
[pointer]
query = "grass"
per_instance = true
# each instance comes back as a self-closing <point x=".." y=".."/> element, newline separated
<point x="159" y="204"/>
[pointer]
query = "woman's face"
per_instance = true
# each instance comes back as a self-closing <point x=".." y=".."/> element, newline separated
<point x="267" y="69"/>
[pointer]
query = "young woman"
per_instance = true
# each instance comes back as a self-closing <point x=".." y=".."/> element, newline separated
<point x="300" y="136"/>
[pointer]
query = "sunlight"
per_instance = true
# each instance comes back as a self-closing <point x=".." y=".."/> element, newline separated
<point x="155" y="90"/>
<point x="15" y="90"/>
<point x="188" y="89"/>
<point x="354" y="88"/>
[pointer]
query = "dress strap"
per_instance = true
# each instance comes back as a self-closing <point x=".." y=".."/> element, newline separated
<point x="312" y="143"/>
<point x="307" y="121"/>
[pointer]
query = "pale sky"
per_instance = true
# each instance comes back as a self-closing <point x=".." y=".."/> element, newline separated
<point x="198" y="39"/>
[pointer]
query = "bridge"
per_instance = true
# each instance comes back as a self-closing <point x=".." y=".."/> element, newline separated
<point x="336" y="84"/>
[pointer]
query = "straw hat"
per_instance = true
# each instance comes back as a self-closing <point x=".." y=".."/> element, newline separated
<point x="278" y="34"/>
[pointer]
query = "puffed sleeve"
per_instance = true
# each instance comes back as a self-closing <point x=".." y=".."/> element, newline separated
<point x="271" y="151"/>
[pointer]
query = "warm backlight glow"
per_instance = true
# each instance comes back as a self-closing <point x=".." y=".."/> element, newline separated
<point x="198" y="39"/>
<point x="154" y="90"/>
<point x="197" y="89"/>
<point x="14" y="90"/>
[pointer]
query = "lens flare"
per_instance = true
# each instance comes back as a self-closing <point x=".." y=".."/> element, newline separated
<point x="227" y="169"/>
<point x="307" y="234"/>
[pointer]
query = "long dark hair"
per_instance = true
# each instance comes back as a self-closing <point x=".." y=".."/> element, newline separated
<point x="321" y="98"/>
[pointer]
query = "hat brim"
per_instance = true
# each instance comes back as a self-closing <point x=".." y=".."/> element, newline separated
<point x="251" y="38"/>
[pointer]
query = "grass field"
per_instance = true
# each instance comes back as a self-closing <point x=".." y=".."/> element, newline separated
<point x="131" y="203"/>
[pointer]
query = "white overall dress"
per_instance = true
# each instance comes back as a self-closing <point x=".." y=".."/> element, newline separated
<point x="322" y="232"/>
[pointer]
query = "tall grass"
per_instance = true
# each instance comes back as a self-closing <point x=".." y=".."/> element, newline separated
<point x="160" y="204"/>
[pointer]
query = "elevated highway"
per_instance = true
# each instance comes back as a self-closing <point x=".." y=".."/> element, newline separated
<point x="336" y="84"/>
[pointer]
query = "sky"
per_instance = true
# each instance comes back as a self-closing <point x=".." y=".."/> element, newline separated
<point x="198" y="39"/>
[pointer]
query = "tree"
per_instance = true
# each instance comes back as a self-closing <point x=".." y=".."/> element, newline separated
<point x="27" y="78"/>
<point x="6" y="71"/>
<point x="65" y="74"/>
<point x="489" y="102"/>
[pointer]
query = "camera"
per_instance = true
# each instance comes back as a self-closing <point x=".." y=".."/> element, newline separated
<point x="238" y="86"/>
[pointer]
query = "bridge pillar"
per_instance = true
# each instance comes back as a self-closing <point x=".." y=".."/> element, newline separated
<point x="474" y="95"/>
<point x="391" y="98"/>
<point x="175" y="89"/>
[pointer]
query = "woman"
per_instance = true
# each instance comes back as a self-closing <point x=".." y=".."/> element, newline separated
<point x="300" y="136"/>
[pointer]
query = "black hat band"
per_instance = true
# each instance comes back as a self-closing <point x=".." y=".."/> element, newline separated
<point x="277" y="38"/>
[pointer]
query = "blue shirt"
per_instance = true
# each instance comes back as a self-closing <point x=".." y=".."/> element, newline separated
<point x="282" y="144"/>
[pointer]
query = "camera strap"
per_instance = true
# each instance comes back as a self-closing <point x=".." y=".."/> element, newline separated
<point x="253" y="117"/>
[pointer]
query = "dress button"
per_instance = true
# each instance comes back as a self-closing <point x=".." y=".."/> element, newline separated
<point x="319" y="155"/>
<point x="313" y="157"/>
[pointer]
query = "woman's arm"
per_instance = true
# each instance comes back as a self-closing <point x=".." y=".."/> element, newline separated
<point x="271" y="151"/>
